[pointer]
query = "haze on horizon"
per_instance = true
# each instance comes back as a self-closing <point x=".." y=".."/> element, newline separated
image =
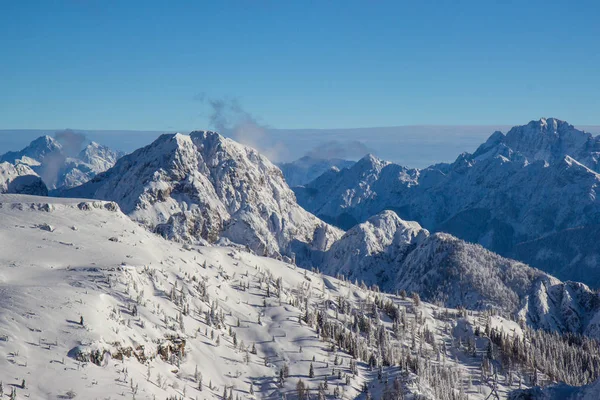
<point x="267" y="74"/>
<point x="411" y="146"/>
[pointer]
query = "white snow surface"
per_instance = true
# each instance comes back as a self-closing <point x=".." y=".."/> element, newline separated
<point x="205" y="186"/>
<point x="396" y="255"/>
<point x="559" y="392"/>
<point x="47" y="157"/>
<point x="98" y="265"/>
<point x="20" y="179"/>
<point x="520" y="195"/>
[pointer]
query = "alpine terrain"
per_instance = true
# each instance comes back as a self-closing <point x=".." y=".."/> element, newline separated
<point x="204" y="186"/>
<point x="62" y="165"/>
<point x="308" y="168"/>
<point x="94" y="306"/>
<point x="188" y="270"/>
<point x="529" y="194"/>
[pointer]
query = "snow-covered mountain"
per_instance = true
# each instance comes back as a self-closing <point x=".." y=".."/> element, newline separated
<point x="307" y="168"/>
<point x="548" y="139"/>
<point x="400" y="255"/>
<point x="523" y="190"/>
<point x="206" y="186"/>
<point x="20" y="179"/>
<point x="59" y="169"/>
<point x="94" y="306"/>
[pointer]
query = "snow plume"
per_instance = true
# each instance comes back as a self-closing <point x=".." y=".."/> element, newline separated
<point x="229" y="118"/>
<point x="71" y="141"/>
<point x="347" y="150"/>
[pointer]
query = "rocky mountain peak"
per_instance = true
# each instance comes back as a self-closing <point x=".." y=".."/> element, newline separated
<point x="63" y="167"/>
<point x="370" y="162"/>
<point x="204" y="186"/>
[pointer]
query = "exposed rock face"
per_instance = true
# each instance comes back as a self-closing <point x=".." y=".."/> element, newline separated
<point x="204" y="186"/>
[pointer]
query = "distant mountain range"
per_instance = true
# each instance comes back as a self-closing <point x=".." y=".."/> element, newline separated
<point x="307" y="168"/>
<point x="529" y="194"/>
<point x="417" y="297"/>
<point x="61" y="166"/>
<point x="205" y="188"/>
<point x="416" y="146"/>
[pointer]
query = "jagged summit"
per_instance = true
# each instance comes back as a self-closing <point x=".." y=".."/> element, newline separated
<point x="547" y="139"/>
<point x="370" y="161"/>
<point x="203" y="186"/>
<point x="497" y="196"/>
<point x="58" y="166"/>
<point x="37" y="151"/>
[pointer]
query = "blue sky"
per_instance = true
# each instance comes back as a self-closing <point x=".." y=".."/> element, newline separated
<point x="297" y="64"/>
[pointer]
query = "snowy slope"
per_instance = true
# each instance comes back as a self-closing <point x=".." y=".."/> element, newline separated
<point x="20" y="179"/>
<point x="48" y="158"/>
<point x="307" y="168"/>
<point x="94" y="306"/>
<point x="92" y="160"/>
<point x="559" y="392"/>
<point x="205" y="187"/>
<point x="400" y="255"/>
<point x="537" y="180"/>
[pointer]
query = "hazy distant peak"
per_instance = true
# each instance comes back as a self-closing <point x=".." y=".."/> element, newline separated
<point x="370" y="161"/>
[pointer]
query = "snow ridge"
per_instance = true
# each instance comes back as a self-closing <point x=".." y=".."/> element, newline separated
<point x="399" y="255"/>
<point x="497" y="197"/>
<point x="49" y="159"/>
<point x="204" y="186"/>
<point x="20" y="179"/>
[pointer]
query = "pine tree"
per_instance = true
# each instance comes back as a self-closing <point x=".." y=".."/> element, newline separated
<point x="301" y="389"/>
<point x="311" y="371"/>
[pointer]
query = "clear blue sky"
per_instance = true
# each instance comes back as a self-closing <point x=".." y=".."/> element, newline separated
<point x="296" y="64"/>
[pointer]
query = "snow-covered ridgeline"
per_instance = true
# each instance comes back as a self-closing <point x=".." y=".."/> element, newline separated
<point x="48" y="158"/>
<point x="205" y="187"/>
<point x="520" y="194"/>
<point x="94" y="306"/>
